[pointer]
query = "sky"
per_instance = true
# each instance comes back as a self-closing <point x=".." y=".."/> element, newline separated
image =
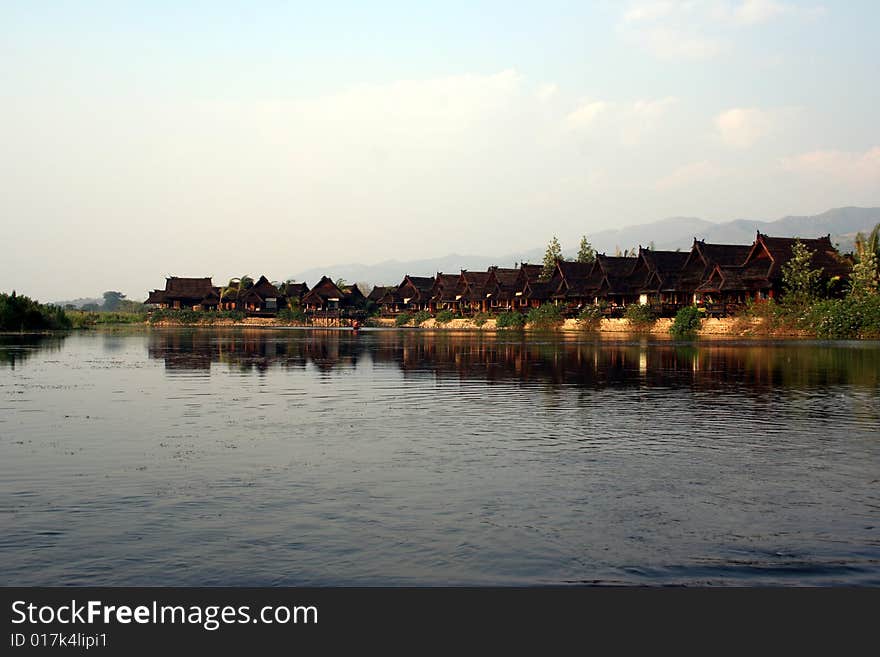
<point x="140" y="140"/>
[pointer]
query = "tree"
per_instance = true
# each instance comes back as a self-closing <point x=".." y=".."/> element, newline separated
<point x="112" y="300"/>
<point x="800" y="281"/>
<point x="864" y="280"/>
<point x="869" y="243"/>
<point x="586" y="252"/>
<point x="551" y="257"/>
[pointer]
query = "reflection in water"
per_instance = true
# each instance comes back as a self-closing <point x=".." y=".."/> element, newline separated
<point x="561" y="359"/>
<point x="273" y="457"/>
<point x="17" y="348"/>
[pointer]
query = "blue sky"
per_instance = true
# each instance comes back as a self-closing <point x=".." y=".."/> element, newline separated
<point x="223" y="137"/>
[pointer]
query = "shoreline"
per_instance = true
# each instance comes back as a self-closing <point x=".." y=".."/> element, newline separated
<point x="711" y="327"/>
<point x="725" y="327"/>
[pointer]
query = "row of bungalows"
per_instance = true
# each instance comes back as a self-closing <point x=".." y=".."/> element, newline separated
<point x="263" y="298"/>
<point x="719" y="276"/>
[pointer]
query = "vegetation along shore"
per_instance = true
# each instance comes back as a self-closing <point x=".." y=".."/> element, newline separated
<point x="777" y="286"/>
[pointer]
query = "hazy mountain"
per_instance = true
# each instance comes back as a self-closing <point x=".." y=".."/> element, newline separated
<point x="392" y="271"/>
<point x="672" y="233"/>
<point x="79" y="303"/>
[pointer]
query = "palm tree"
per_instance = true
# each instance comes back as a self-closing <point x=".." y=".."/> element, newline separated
<point x="868" y="244"/>
<point x="234" y="287"/>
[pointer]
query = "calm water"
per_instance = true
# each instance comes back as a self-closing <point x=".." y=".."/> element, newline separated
<point x="200" y="457"/>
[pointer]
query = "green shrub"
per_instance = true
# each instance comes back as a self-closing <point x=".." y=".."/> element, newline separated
<point x="687" y="322"/>
<point x="297" y="315"/>
<point x="590" y="317"/>
<point x="420" y="317"/>
<point x="481" y="318"/>
<point x="841" y="319"/>
<point x="445" y="316"/>
<point x="547" y="316"/>
<point x="180" y="315"/>
<point x="21" y="313"/>
<point x="836" y="319"/>
<point x="640" y="316"/>
<point x="402" y="319"/>
<point x="510" y="320"/>
<point x="870" y="316"/>
<point x="90" y="319"/>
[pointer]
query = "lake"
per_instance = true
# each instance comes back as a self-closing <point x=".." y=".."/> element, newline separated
<point x="324" y="457"/>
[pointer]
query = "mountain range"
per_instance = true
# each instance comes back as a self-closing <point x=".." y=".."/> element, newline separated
<point x="667" y="234"/>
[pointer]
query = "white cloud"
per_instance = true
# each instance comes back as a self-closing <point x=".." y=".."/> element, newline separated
<point x="742" y="127"/>
<point x="648" y="11"/>
<point x="628" y="122"/>
<point x="586" y="115"/>
<point x="755" y="12"/>
<point x="642" y="118"/>
<point x="698" y="29"/>
<point x="689" y="174"/>
<point x="677" y="43"/>
<point x="751" y="12"/>
<point x="546" y="92"/>
<point x="838" y="167"/>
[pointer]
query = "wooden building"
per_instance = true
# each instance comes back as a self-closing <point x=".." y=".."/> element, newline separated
<point x="415" y="292"/>
<point x="445" y="293"/>
<point x="186" y="293"/>
<point x="616" y="286"/>
<point x="760" y="275"/>
<point x="656" y="276"/>
<point x="262" y="299"/>
<point x="294" y="292"/>
<point x="472" y="287"/>
<point x="702" y="261"/>
<point x="501" y="288"/>
<point x="573" y="284"/>
<point x="327" y="297"/>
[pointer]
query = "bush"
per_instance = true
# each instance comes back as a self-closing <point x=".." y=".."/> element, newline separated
<point x="420" y="317"/>
<point x="841" y="319"/>
<point x="835" y="319"/>
<point x="445" y="316"/>
<point x="297" y="315"/>
<point x="187" y="316"/>
<point x="89" y="319"/>
<point x="402" y="319"/>
<point x="510" y="320"/>
<point x="480" y="318"/>
<point x="547" y="316"/>
<point x="687" y="322"/>
<point x="640" y="316"/>
<point x="590" y="317"/>
<point x="20" y="313"/>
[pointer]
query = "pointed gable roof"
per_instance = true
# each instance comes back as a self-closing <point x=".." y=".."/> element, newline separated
<point x="416" y="288"/>
<point x="657" y="270"/>
<point x="261" y="290"/>
<point x="177" y="287"/>
<point x="324" y="290"/>
<point x="768" y="255"/>
<point x="379" y="291"/>
<point x="446" y="287"/>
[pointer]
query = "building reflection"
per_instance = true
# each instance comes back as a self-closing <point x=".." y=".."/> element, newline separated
<point x="559" y="360"/>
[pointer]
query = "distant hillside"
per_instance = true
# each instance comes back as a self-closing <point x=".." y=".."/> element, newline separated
<point x="79" y="303"/>
<point x="672" y="233"/>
